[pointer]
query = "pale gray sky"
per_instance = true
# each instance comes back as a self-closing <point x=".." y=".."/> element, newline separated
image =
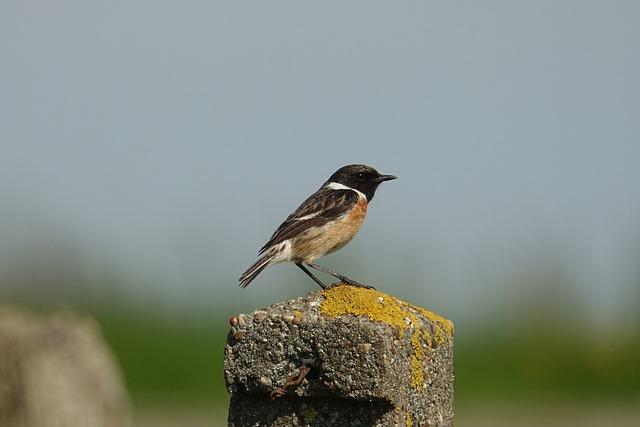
<point x="167" y="140"/>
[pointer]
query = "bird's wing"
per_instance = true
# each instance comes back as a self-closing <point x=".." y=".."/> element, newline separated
<point x="321" y="207"/>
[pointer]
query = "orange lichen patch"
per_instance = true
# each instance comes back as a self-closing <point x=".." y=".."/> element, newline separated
<point x="381" y="307"/>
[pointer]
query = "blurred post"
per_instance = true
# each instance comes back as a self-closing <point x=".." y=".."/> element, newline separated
<point x="340" y="355"/>
<point x="56" y="370"/>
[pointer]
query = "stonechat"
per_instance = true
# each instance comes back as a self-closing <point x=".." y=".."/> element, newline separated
<point x="322" y="224"/>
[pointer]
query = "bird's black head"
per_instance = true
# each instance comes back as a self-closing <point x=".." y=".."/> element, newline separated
<point x="360" y="177"/>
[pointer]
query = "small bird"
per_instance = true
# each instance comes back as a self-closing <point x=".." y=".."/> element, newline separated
<point x="322" y="224"/>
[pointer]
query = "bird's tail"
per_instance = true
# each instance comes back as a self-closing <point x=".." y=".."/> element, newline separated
<point x="255" y="269"/>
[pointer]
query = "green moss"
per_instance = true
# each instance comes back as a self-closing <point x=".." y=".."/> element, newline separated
<point x="381" y="307"/>
<point x="308" y="415"/>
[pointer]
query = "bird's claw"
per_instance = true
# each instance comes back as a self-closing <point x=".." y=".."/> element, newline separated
<point x="349" y="282"/>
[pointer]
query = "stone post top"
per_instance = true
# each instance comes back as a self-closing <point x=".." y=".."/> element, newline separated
<point x="355" y="301"/>
<point x="346" y="316"/>
<point x="337" y="354"/>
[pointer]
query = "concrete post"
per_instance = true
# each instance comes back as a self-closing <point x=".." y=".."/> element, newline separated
<point x="346" y="356"/>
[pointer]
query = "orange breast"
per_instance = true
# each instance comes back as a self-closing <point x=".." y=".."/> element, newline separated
<point x="358" y="212"/>
<point x="320" y="241"/>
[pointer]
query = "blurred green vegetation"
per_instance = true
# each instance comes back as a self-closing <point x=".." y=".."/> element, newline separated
<point x="535" y="362"/>
<point x="167" y="358"/>
<point x="538" y="344"/>
<point x="510" y="371"/>
<point x="181" y="359"/>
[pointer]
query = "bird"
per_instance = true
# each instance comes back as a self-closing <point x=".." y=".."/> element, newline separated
<point x="322" y="224"/>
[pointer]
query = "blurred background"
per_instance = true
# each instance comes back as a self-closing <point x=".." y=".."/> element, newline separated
<point x="149" y="148"/>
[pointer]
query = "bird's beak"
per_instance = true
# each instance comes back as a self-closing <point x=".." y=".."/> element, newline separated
<point x="383" y="178"/>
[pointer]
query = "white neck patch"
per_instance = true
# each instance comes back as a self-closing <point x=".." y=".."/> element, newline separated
<point x="338" y="186"/>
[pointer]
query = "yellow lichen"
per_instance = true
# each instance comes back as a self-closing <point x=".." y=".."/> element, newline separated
<point x="417" y="371"/>
<point x="444" y="331"/>
<point x="357" y="301"/>
<point x="380" y="307"/>
<point x="409" y="421"/>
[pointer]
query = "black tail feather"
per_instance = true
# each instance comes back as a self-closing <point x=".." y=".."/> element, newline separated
<point x="254" y="270"/>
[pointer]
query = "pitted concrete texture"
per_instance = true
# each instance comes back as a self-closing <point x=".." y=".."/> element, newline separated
<point x="369" y="359"/>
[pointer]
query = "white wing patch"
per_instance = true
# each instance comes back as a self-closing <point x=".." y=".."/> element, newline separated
<point x="311" y="215"/>
<point x="338" y="186"/>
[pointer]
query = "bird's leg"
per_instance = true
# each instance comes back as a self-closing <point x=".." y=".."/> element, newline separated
<point x="339" y="276"/>
<point x="310" y="274"/>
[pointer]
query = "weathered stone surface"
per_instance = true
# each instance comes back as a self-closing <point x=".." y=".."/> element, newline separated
<point x="372" y="360"/>
<point x="56" y="371"/>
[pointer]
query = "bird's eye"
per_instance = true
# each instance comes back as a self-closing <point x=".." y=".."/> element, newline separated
<point x="360" y="176"/>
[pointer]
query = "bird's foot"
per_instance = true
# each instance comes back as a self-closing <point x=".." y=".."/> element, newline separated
<point x="349" y="282"/>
